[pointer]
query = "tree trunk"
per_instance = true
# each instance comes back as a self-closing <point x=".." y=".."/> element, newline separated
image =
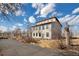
<point x="67" y="39"/>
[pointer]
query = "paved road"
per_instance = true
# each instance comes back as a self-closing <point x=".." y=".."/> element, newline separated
<point x="15" y="48"/>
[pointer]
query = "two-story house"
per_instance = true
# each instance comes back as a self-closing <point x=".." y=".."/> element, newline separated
<point x="47" y="29"/>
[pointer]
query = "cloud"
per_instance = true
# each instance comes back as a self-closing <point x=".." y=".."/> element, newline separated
<point x="32" y="19"/>
<point x="25" y="20"/>
<point x="74" y="20"/>
<point x="47" y="9"/>
<point x="12" y="28"/>
<point x="67" y="18"/>
<point x="3" y="28"/>
<point x="75" y="11"/>
<point x="75" y="31"/>
<point x="43" y="9"/>
<point x="6" y="12"/>
<point x="71" y="19"/>
<point x="19" y="24"/>
<point x="24" y="13"/>
<point x="64" y="19"/>
<point x="55" y="13"/>
<point x="18" y="13"/>
<point x="37" y="12"/>
<point x="38" y="6"/>
<point x="34" y="5"/>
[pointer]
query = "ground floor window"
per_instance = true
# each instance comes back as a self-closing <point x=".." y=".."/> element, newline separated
<point x="39" y="34"/>
<point x="36" y="34"/>
<point x="33" y="34"/>
<point x="47" y="34"/>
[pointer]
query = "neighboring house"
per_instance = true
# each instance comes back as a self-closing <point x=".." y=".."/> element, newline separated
<point x="47" y="29"/>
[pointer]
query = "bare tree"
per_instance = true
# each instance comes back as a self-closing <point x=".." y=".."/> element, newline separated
<point x="67" y="35"/>
<point x="17" y="33"/>
<point x="9" y="9"/>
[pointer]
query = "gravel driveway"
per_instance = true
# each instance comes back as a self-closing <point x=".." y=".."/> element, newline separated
<point x="15" y="48"/>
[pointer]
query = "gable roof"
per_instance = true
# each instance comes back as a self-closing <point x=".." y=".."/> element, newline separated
<point x="48" y="21"/>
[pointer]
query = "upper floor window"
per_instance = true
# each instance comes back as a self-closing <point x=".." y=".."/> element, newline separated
<point x="36" y="28"/>
<point x="53" y="25"/>
<point x="46" y="26"/>
<point x="43" y="27"/>
<point x="39" y="27"/>
<point x="33" y="28"/>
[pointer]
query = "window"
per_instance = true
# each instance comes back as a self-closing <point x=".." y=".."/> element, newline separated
<point x="36" y="34"/>
<point x="43" y="27"/>
<point x="39" y="27"/>
<point x="33" y="34"/>
<point x="36" y="28"/>
<point x="46" y="26"/>
<point x="39" y="34"/>
<point x="33" y="28"/>
<point x="47" y="34"/>
<point x="53" y="25"/>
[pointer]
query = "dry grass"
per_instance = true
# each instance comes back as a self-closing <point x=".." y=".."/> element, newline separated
<point x="74" y="42"/>
<point x="42" y="43"/>
<point x="54" y="43"/>
<point x="49" y="43"/>
<point x="28" y="40"/>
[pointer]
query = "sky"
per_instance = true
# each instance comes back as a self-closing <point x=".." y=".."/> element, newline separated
<point x="35" y="12"/>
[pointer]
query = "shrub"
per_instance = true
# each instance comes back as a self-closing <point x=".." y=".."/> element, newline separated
<point x="28" y="40"/>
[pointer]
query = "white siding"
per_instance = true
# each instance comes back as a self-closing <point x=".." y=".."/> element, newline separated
<point x="43" y="32"/>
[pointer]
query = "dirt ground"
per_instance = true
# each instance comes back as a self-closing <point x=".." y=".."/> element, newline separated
<point x="15" y="48"/>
